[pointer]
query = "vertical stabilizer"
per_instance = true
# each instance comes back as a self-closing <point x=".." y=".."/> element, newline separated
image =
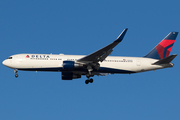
<point x="163" y="49"/>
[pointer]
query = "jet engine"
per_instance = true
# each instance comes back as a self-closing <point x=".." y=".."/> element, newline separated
<point x="71" y="65"/>
<point x="69" y="76"/>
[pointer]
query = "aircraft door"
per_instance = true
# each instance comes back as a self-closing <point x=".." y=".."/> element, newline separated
<point x="20" y="58"/>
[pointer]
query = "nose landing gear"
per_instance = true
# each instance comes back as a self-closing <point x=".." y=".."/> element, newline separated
<point x="15" y="71"/>
<point x="16" y="75"/>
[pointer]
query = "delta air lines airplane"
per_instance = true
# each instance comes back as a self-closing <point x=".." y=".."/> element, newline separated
<point x="96" y="63"/>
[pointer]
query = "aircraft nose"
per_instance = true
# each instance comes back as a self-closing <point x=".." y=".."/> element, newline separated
<point x="4" y="62"/>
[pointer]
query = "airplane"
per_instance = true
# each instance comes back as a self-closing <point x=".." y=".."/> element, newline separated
<point x="97" y="63"/>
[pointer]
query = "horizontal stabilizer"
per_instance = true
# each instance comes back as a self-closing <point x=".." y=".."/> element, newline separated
<point x="165" y="60"/>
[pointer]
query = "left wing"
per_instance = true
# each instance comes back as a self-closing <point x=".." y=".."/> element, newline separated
<point x="101" y="54"/>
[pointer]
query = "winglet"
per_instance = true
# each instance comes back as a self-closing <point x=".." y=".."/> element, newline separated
<point x="121" y="36"/>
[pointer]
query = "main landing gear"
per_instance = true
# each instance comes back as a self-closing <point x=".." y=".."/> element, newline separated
<point x="89" y="74"/>
<point x="15" y="71"/>
<point x="89" y="81"/>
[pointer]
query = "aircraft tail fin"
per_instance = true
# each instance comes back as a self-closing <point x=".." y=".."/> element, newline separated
<point x="166" y="60"/>
<point x="163" y="49"/>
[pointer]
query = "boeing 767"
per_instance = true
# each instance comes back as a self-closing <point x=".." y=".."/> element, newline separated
<point x="96" y="63"/>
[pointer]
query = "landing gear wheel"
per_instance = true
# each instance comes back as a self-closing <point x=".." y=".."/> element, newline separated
<point x="91" y="80"/>
<point x="87" y="81"/>
<point x="16" y="75"/>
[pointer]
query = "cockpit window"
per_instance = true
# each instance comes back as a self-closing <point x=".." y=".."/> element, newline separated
<point x="9" y="57"/>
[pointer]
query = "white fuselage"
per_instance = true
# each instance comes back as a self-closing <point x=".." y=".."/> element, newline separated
<point x="51" y="62"/>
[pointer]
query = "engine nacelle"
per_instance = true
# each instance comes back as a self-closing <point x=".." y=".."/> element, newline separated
<point x="68" y="64"/>
<point x="71" y="65"/>
<point x="69" y="76"/>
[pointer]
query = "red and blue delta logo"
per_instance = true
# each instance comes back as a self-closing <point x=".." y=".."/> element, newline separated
<point x="27" y="56"/>
<point x="164" y="48"/>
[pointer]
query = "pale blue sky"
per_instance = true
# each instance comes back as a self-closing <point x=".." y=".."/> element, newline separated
<point x="82" y="27"/>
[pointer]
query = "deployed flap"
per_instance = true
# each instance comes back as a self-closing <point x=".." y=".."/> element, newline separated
<point x="165" y="60"/>
<point x="101" y="54"/>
